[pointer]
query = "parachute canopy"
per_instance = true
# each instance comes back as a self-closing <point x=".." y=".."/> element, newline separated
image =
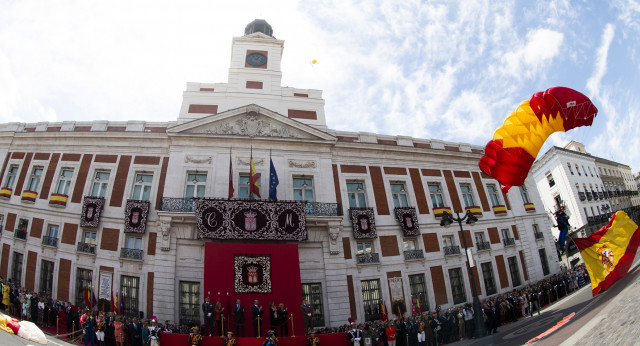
<point x="508" y="157"/>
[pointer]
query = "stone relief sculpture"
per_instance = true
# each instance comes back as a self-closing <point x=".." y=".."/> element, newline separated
<point x="165" y="242"/>
<point x="334" y="233"/>
<point x="252" y="125"/>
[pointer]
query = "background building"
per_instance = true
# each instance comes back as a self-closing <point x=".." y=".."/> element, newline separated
<point x="590" y="188"/>
<point x="110" y="205"/>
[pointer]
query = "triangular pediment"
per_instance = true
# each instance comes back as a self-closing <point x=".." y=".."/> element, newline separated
<point x="251" y="121"/>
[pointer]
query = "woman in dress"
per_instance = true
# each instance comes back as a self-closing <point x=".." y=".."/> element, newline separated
<point x="119" y="332"/>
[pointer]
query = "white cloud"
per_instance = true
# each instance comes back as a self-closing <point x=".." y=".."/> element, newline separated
<point x="600" y="66"/>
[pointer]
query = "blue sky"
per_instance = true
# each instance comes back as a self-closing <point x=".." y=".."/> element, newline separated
<point x="445" y="69"/>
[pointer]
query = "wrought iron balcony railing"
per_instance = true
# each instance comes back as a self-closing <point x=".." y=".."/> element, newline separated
<point x="135" y="254"/>
<point x="538" y="235"/>
<point x="185" y="205"/>
<point x="20" y="234"/>
<point x="451" y="250"/>
<point x="591" y="220"/>
<point x="509" y="242"/>
<point x="601" y="195"/>
<point x="323" y="209"/>
<point x="86" y="248"/>
<point x="582" y="196"/>
<point x="483" y="245"/>
<point x="595" y="195"/>
<point x="413" y="254"/>
<point x="50" y="241"/>
<point x="589" y="196"/>
<point x="371" y="257"/>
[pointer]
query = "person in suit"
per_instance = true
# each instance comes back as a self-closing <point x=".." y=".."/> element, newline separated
<point x="256" y="312"/>
<point x="135" y="332"/>
<point x="208" y="310"/>
<point x="238" y="318"/>
<point x="283" y="320"/>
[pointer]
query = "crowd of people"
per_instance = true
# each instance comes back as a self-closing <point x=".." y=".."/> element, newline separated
<point x="450" y="325"/>
<point x="422" y="328"/>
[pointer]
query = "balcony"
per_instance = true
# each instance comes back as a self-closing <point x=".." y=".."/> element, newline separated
<point x="87" y="248"/>
<point x="595" y="195"/>
<point x="437" y="211"/>
<point x="451" y="250"/>
<point x="509" y="242"/>
<point x="367" y="258"/>
<point x="6" y="192"/>
<point x="529" y="207"/>
<point x="538" y="235"/>
<point x="134" y="254"/>
<point x="483" y="245"/>
<point x="582" y="196"/>
<point x="413" y="255"/>
<point x="601" y="195"/>
<point x="50" y="241"/>
<point x="591" y="220"/>
<point x="58" y="200"/>
<point x="20" y="234"/>
<point x="589" y="196"/>
<point x="177" y="205"/>
<point x="323" y="209"/>
<point x="499" y="210"/>
<point x="29" y="196"/>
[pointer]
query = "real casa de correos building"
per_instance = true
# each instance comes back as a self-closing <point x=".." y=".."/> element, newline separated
<point x="111" y="206"/>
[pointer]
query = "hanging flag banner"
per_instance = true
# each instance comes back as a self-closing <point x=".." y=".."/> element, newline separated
<point x="408" y="220"/>
<point x="104" y="291"/>
<point x="252" y="274"/>
<point x="91" y="209"/>
<point x="364" y="224"/>
<point x="135" y="216"/>
<point x="247" y="219"/>
<point x="609" y="252"/>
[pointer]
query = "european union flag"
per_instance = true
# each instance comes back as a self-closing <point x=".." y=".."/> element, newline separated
<point x="273" y="182"/>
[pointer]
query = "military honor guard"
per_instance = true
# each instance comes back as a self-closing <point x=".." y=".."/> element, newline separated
<point x="307" y="314"/>
<point x="355" y="335"/>
<point x="154" y="332"/>
<point x="229" y="340"/>
<point x="195" y="339"/>
<point x="271" y="339"/>
<point x="312" y="339"/>
<point x="208" y="310"/>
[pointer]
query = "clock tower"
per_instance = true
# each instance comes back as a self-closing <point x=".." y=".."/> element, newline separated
<point x="255" y="60"/>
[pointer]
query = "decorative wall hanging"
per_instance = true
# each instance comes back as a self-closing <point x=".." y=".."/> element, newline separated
<point x="91" y="209"/>
<point x="408" y="220"/>
<point x="247" y="219"/>
<point x="135" y="216"/>
<point x="252" y="274"/>
<point x="364" y="224"/>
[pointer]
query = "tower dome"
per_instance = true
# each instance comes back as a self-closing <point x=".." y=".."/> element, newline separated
<point x="258" y="25"/>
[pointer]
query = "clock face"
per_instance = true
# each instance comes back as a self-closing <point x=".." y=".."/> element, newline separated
<point x="256" y="59"/>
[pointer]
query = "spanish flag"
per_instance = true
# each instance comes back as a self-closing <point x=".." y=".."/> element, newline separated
<point x="609" y="252"/>
<point x="254" y="188"/>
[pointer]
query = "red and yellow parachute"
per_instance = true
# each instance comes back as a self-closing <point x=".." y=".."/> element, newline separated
<point x="515" y="145"/>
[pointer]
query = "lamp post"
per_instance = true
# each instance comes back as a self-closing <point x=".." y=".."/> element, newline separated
<point x="446" y="221"/>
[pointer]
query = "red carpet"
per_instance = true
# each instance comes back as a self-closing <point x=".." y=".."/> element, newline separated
<point x="338" y="339"/>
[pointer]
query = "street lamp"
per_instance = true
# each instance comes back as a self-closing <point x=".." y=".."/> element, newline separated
<point x="446" y="221"/>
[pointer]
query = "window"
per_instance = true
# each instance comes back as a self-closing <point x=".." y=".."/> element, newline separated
<point x="189" y="302"/>
<point x="12" y="173"/>
<point x="448" y="240"/>
<point x="100" y="184"/>
<point x="524" y="194"/>
<point x="129" y="286"/>
<point x="410" y="244"/>
<point x="558" y="201"/>
<point x="46" y="278"/>
<point x="584" y="170"/>
<point x="23" y="224"/>
<point x="489" y="279"/>
<point x="34" y="180"/>
<point x="550" y="180"/>
<point x="515" y="272"/>
<point x="467" y="195"/>
<point x="578" y="170"/>
<point x="399" y="193"/>
<point x="312" y="293"/>
<point x="436" y="195"/>
<point x="16" y="269"/>
<point x="493" y="195"/>
<point x="356" y="195"/>
<point x="570" y="170"/>
<point x="195" y="185"/>
<point x="505" y="233"/>
<point x="83" y="280"/>
<point x="243" y="186"/>
<point x="133" y="243"/>
<point x="142" y="187"/>
<point x="419" y="292"/>
<point x="543" y="261"/>
<point x="89" y="238"/>
<point x="370" y="299"/>
<point x="480" y="237"/>
<point x="51" y="236"/>
<point x="64" y="181"/>
<point x="364" y="248"/>
<point x="590" y="172"/>
<point x="303" y="189"/>
<point x="457" y="286"/>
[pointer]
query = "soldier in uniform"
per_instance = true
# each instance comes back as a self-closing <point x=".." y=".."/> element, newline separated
<point x="313" y="340"/>
<point x="229" y="340"/>
<point x="195" y="339"/>
<point x="271" y="339"/>
<point x="307" y="314"/>
<point x="154" y="333"/>
<point x="208" y="310"/>
<point x="355" y="335"/>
